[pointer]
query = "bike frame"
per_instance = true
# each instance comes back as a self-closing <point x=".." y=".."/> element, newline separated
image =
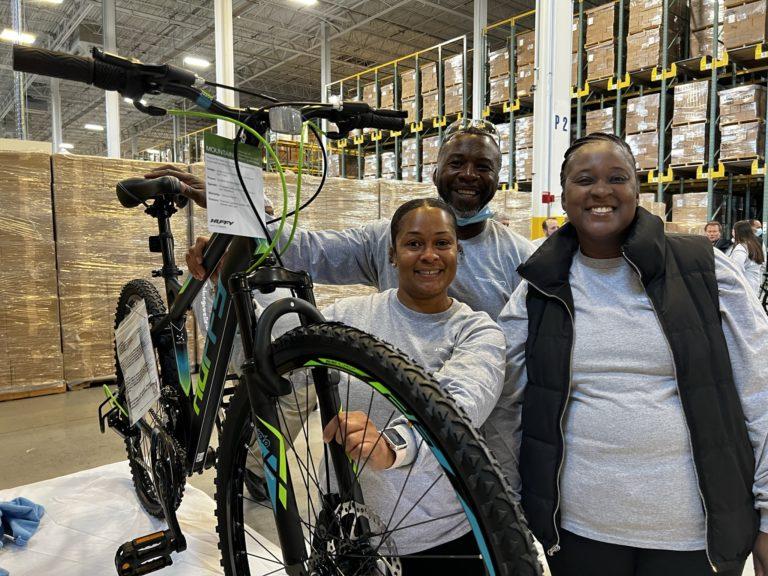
<point x="232" y="308"/>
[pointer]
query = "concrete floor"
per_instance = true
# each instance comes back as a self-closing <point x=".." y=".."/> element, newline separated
<point x="50" y="436"/>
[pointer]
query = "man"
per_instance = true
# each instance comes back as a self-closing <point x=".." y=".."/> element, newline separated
<point x="549" y="226"/>
<point x="757" y="226"/>
<point x="714" y="231"/>
<point x="466" y="177"/>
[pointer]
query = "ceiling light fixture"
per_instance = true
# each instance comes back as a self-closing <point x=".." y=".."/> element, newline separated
<point x="196" y="62"/>
<point x="94" y="127"/>
<point x="10" y="35"/>
<point x="66" y="146"/>
<point x="306" y="2"/>
<point x="52" y="1"/>
<point x="152" y="151"/>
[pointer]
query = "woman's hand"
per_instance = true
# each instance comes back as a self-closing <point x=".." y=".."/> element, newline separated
<point x="191" y="186"/>
<point x="360" y="438"/>
<point x="760" y="554"/>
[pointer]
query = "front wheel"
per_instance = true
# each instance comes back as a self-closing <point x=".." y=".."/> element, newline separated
<point x="451" y="506"/>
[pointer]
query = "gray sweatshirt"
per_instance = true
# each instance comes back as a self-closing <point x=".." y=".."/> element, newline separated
<point x="485" y="278"/>
<point x="628" y="475"/>
<point x="464" y="351"/>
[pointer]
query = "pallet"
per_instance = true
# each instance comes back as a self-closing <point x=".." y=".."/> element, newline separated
<point x="81" y="383"/>
<point x="53" y="388"/>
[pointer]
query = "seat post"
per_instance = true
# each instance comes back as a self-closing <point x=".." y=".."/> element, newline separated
<point x="163" y="243"/>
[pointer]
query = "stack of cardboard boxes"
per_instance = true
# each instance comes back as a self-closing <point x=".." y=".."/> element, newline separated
<point x="523" y="148"/>
<point x="526" y="54"/>
<point x="644" y="39"/>
<point x="689" y="124"/>
<point x="648" y="201"/>
<point x="429" y="148"/>
<point x="689" y="213"/>
<point x="742" y="117"/>
<point x="503" y="130"/>
<point x="600" y="120"/>
<point x="599" y="41"/>
<point x="498" y="67"/>
<point x="702" y="17"/>
<point x="453" y="78"/>
<point x="350" y="164"/>
<point x="518" y="212"/>
<point x="642" y="130"/>
<point x="30" y="332"/>
<point x="746" y="23"/>
<point x="428" y="96"/>
<point x="575" y="53"/>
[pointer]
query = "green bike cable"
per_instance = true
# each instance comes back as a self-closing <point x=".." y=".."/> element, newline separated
<point x="272" y="154"/>
<point x="113" y="400"/>
<point x="296" y="210"/>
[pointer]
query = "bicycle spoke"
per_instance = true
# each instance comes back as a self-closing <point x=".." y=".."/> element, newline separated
<point x="388" y="532"/>
<point x="402" y="489"/>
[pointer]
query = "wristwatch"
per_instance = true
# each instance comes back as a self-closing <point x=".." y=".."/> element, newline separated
<point x="397" y="438"/>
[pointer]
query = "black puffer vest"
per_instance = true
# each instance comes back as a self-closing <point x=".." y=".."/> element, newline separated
<point x="678" y="274"/>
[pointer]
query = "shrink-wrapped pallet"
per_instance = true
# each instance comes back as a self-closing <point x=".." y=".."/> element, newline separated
<point x="518" y="211"/>
<point x="746" y="24"/>
<point x="523" y="164"/>
<point x="600" y="24"/>
<point x="29" y="315"/>
<point x="499" y="91"/>
<point x="691" y="102"/>
<point x="524" y="132"/>
<point x="742" y="141"/>
<point x="642" y="114"/>
<point x="645" y="148"/>
<point x="600" y="61"/>
<point x="100" y="247"/>
<point x="600" y="120"/>
<point x="742" y="104"/>
<point x="393" y="194"/>
<point x="645" y="49"/>
<point x="453" y="70"/>
<point x="524" y="82"/>
<point x="689" y="144"/>
<point x="498" y="63"/>
<point x="526" y="48"/>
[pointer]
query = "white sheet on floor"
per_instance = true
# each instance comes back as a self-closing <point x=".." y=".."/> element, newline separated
<point x="89" y="514"/>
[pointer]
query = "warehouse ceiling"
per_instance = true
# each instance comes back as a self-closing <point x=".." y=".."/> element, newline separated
<point x="277" y="51"/>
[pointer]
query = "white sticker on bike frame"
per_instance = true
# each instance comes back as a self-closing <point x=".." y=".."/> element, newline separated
<point x="229" y="211"/>
<point x="136" y="355"/>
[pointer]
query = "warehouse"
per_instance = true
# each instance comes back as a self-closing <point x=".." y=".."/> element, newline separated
<point x="316" y="287"/>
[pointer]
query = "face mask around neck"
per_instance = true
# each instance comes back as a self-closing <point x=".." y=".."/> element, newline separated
<point x="483" y="214"/>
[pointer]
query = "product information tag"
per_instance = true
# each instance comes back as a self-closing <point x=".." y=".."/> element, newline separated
<point x="137" y="362"/>
<point x="228" y="209"/>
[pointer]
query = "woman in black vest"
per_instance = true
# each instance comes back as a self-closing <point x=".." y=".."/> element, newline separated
<point x="641" y="367"/>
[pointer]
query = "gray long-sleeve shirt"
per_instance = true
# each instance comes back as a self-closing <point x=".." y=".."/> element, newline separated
<point x="464" y="351"/>
<point x="628" y="475"/>
<point x="485" y="278"/>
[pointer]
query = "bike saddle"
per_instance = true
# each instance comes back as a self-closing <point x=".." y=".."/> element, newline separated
<point x="135" y="191"/>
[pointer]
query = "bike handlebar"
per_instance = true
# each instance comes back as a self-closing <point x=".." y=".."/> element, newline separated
<point x="133" y="79"/>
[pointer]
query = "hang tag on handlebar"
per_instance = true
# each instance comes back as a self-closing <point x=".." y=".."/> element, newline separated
<point x="285" y="120"/>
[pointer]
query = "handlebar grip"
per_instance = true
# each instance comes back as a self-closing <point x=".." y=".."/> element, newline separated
<point x="374" y="120"/>
<point x="50" y="63"/>
<point x="391" y="113"/>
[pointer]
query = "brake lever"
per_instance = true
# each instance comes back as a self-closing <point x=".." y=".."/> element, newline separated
<point x="151" y="110"/>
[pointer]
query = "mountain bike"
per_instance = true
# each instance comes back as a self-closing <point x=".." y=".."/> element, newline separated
<point x="316" y="491"/>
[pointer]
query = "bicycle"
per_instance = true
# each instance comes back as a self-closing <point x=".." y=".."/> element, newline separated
<point x="336" y="533"/>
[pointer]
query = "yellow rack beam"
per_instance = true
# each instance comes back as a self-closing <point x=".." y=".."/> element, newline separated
<point x="511" y="20"/>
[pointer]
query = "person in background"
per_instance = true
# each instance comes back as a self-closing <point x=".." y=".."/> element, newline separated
<point x="757" y="227"/>
<point x="549" y="226"/>
<point x="748" y="254"/>
<point x="637" y="388"/>
<point x="714" y="231"/>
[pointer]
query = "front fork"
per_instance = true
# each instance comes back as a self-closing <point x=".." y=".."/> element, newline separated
<point x="265" y="385"/>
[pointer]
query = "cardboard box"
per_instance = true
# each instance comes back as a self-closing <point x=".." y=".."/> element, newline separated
<point x="645" y="148"/>
<point x="504" y="170"/>
<point x="690" y="200"/>
<point x="575" y="69"/>
<point x="429" y="105"/>
<point x="410" y="107"/>
<point x="387" y="95"/>
<point x="656" y="208"/>
<point x="526" y="48"/>
<point x="702" y="13"/>
<point x="428" y="77"/>
<point x="600" y="25"/>
<point x="689" y="144"/>
<point x="30" y="331"/>
<point x="600" y="120"/>
<point x="409" y="174"/>
<point x="746" y="24"/>
<point x="499" y="91"/>
<point x="503" y="130"/>
<point x="648" y="14"/>
<point x="644" y="49"/>
<point x="524" y="84"/>
<point x="691" y="102"/>
<point x="742" y="104"/>
<point x="369" y="95"/>
<point x="427" y="170"/>
<point x="600" y="61"/>
<point x="642" y="114"/>
<point x="453" y="99"/>
<point x="498" y="63"/>
<point x="697" y="214"/>
<point x="523" y="164"/>
<point x="408" y="85"/>
<point x="701" y="43"/>
<point x="453" y="70"/>
<point x="518" y="212"/>
<point x="524" y="132"/>
<point x="695" y="228"/>
<point x="741" y="141"/>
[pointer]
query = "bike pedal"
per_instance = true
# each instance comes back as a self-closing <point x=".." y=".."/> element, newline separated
<point x="146" y="554"/>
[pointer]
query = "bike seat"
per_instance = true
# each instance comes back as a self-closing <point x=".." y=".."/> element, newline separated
<point x="135" y="191"/>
